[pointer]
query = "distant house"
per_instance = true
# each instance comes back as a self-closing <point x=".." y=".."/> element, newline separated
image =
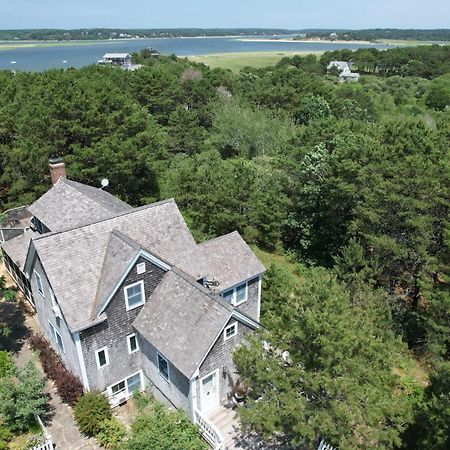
<point x="348" y="76"/>
<point x="116" y="59"/>
<point x="340" y="65"/>
<point x="128" y="299"/>
<point x="345" y="71"/>
<point x="151" y="53"/>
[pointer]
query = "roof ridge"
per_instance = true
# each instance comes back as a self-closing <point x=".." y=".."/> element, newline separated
<point x="129" y="242"/>
<point x="77" y="185"/>
<point x="126" y="239"/>
<point x="220" y="237"/>
<point x="113" y="216"/>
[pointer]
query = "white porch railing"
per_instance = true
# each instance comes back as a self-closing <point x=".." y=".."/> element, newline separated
<point x="209" y="432"/>
<point x="324" y="446"/>
<point x="46" y="443"/>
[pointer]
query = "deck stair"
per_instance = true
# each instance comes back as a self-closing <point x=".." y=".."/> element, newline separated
<point x="226" y="421"/>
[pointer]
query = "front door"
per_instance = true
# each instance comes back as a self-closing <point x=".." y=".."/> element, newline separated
<point x="209" y="392"/>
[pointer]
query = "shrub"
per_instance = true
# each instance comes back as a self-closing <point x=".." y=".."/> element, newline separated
<point x="111" y="433"/>
<point x="7" y="366"/>
<point x="22" y="398"/>
<point x="68" y="385"/>
<point x="142" y="399"/>
<point x="161" y="429"/>
<point x="5" y="437"/>
<point x="90" y="410"/>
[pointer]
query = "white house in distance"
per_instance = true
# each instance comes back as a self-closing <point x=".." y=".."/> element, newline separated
<point x="116" y="59"/>
<point x="345" y="69"/>
<point x="122" y="60"/>
<point x="340" y="65"/>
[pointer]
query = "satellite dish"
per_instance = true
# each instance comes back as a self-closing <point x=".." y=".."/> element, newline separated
<point x="105" y="182"/>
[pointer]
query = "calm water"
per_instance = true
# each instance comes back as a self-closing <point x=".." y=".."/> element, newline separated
<point x="38" y="59"/>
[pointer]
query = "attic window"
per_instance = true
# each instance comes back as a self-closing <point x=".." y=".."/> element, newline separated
<point x="134" y="295"/>
<point x="230" y="331"/>
<point x="140" y="268"/>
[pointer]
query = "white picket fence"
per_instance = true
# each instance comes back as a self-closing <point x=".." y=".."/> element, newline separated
<point x="324" y="446"/>
<point x="46" y="443"/>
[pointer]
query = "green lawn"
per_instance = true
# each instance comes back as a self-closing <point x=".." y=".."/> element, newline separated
<point x="237" y="61"/>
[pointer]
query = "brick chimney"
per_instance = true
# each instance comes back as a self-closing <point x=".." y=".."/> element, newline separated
<point x="57" y="169"/>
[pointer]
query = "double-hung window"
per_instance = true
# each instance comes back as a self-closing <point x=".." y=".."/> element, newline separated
<point x="39" y="285"/>
<point x="163" y="367"/>
<point x="134" y="295"/>
<point x="236" y="295"/>
<point x="56" y="336"/>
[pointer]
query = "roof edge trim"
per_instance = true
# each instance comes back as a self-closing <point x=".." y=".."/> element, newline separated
<point x="150" y="258"/>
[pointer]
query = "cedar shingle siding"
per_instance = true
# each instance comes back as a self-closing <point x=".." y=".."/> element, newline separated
<point x="95" y="243"/>
<point x="114" y="331"/>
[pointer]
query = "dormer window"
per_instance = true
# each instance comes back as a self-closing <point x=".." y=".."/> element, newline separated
<point x="134" y="295"/>
<point x="237" y="295"/>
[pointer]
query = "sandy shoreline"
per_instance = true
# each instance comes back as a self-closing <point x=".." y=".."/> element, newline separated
<point x="308" y="41"/>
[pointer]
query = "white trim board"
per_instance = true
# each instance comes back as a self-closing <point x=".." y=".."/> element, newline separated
<point x="161" y="264"/>
<point x="84" y="377"/>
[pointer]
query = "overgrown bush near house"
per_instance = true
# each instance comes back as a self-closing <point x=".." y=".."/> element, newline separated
<point x="111" y="434"/>
<point x="162" y="429"/>
<point x="68" y="385"/>
<point x="5" y="437"/>
<point x="7" y="366"/>
<point x="22" y="398"/>
<point x="142" y="399"/>
<point x="91" y="409"/>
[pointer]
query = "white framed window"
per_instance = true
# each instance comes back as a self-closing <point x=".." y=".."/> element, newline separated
<point x="230" y="331"/>
<point x="134" y="295"/>
<point x="39" y="285"/>
<point x="240" y="294"/>
<point x="163" y="367"/>
<point x="56" y="336"/>
<point x="126" y="386"/>
<point x="228" y="295"/>
<point x="237" y="295"/>
<point x="52" y="296"/>
<point x="132" y="342"/>
<point x="101" y="356"/>
<point x="140" y="268"/>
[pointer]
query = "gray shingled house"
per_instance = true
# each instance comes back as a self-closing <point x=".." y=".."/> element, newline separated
<point x="129" y="299"/>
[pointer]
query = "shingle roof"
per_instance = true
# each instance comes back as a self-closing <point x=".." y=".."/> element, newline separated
<point x="230" y="260"/>
<point x="69" y="204"/>
<point x="17" y="247"/>
<point x="73" y="259"/>
<point x="118" y="255"/>
<point x="182" y="319"/>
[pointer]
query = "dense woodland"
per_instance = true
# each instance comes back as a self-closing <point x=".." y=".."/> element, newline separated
<point x="349" y="181"/>
<point x="107" y="33"/>
<point x="385" y="33"/>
